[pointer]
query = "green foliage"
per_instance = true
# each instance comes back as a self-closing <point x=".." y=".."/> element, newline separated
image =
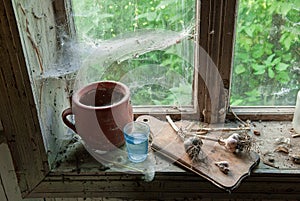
<point x="266" y="59"/>
<point x="266" y="62"/>
<point x="104" y="19"/>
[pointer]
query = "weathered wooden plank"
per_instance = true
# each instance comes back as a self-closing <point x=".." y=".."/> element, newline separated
<point x="3" y="196"/>
<point x="84" y="199"/>
<point x="185" y="196"/>
<point x="264" y="182"/>
<point x="228" y="33"/>
<point x="41" y="41"/>
<point x="99" y="199"/>
<point x="18" y="114"/>
<point x="255" y="113"/>
<point x="37" y="199"/>
<point x="213" y="82"/>
<point x="167" y="185"/>
<point x="203" y="41"/>
<point x="7" y="175"/>
<point x="9" y="189"/>
<point x="115" y="177"/>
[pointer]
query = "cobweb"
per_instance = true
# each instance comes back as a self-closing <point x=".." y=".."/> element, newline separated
<point x="117" y="50"/>
<point x="126" y="47"/>
<point x="81" y="63"/>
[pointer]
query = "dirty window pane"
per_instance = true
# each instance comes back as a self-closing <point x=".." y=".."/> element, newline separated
<point x="145" y="44"/>
<point x="266" y="59"/>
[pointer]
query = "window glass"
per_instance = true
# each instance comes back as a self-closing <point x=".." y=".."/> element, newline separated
<point x="266" y="68"/>
<point x="147" y="45"/>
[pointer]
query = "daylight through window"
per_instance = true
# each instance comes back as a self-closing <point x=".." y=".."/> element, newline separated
<point x="148" y="45"/>
<point x="266" y="68"/>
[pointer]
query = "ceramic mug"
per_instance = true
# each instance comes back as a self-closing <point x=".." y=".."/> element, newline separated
<point x="101" y="110"/>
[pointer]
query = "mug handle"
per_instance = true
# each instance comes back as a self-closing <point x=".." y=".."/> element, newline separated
<point x="64" y="115"/>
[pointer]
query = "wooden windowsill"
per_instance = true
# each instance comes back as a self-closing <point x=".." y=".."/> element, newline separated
<point x="81" y="175"/>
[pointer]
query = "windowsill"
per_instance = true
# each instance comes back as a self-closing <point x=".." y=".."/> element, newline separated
<point x="81" y="173"/>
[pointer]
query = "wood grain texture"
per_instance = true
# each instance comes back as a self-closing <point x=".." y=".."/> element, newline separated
<point x="215" y="57"/>
<point x="3" y="196"/>
<point x="8" y="180"/>
<point x="17" y="107"/>
<point x="167" y="186"/>
<point x="258" y="113"/>
<point x="168" y="143"/>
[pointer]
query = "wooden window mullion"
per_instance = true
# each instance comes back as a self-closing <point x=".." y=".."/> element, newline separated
<point x="215" y="55"/>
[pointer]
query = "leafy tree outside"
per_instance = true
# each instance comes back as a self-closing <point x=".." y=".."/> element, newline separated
<point x="266" y="67"/>
<point x="267" y="53"/>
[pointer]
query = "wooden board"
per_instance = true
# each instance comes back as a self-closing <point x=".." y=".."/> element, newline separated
<point x="166" y="142"/>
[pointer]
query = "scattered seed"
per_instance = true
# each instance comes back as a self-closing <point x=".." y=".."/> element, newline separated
<point x="256" y="132"/>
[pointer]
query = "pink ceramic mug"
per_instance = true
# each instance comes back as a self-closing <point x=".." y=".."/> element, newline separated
<point x="100" y="110"/>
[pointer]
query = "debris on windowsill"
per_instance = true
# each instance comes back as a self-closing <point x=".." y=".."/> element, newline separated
<point x="283" y="140"/>
<point x="283" y="145"/>
<point x="271" y="164"/>
<point x="256" y="132"/>
<point x="283" y="149"/>
<point x="223" y="166"/>
<point x="295" y="158"/>
<point x="268" y="159"/>
<point x="294" y="134"/>
<point x="220" y="129"/>
<point x="271" y="160"/>
<point x="248" y="124"/>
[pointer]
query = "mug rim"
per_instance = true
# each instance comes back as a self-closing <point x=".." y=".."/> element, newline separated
<point x="76" y="97"/>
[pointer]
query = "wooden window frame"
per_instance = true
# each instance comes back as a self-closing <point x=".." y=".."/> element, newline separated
<point x="22" y="131"/>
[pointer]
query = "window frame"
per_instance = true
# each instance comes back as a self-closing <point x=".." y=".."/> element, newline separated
<point x="23" y="134"/>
